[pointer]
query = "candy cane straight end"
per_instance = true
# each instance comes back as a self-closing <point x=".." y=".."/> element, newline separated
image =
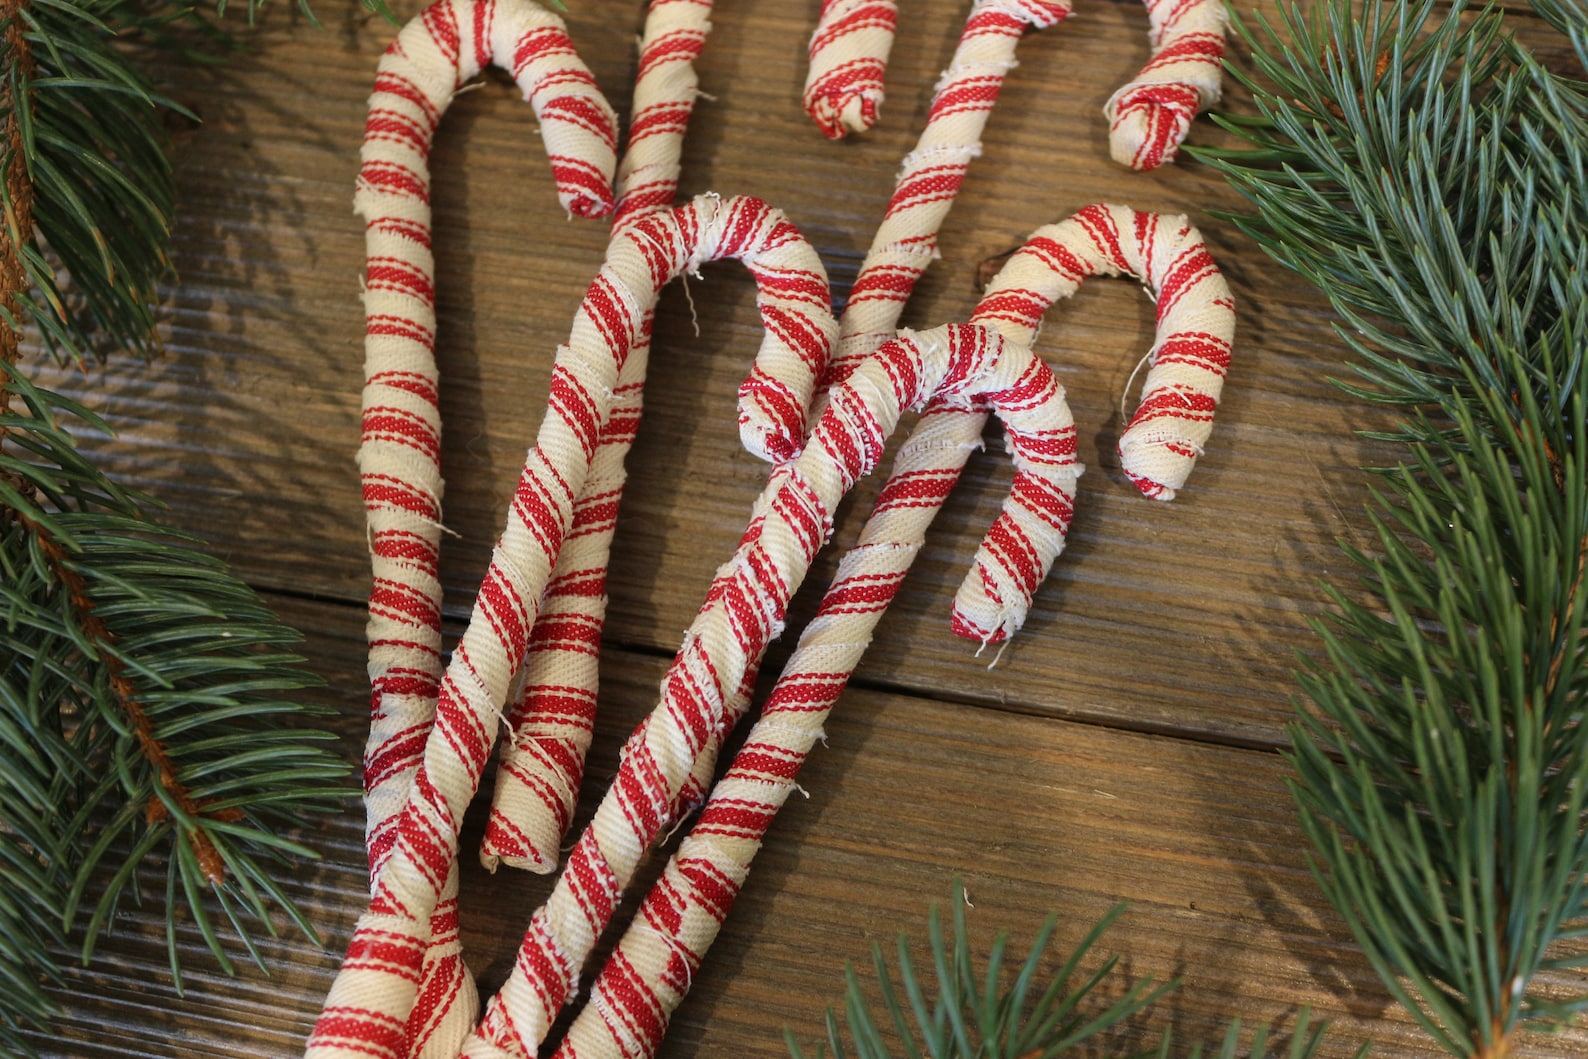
<point x="1147" y="123"/>
<point x="524" y="858"/>
<point x="1150" y="489"/>
<point x="1149" y="118"/>
<point x="966" y="628"/>
<point x="838" y="115"/>
<point x="848" y="58"/>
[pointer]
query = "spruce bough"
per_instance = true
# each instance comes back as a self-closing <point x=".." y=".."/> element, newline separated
<point x="148" y="707"/>
<point x="1430" y="177"/>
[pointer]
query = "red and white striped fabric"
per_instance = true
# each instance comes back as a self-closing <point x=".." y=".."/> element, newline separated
<point x="931" y="175"/>
<point x="432" y="57"/>
<point x="743" y="611"/>
<point x="400" y="457"/>
<point x="1148" y="118"/>
<point x="848" y="58"/>
<point x="373" y="999"/>
<point x="552" y="718"/>
<point x="649" y="972"/>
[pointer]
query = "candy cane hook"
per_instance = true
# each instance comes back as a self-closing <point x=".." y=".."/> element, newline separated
<point x="374" y="995"/>
<point x="431" y="58"/>
<point x="1189" y="358"/>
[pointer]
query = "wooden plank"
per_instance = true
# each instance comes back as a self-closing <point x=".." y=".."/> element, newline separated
<point x="1036" y="815"/>
<point x="1182" y="616"/>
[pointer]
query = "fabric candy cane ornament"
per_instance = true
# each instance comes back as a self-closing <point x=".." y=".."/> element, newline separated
<point x="646" y="978"/>
<point x="1148" y="117"/>
<point x="400" y="457"/>
<point x="552" y="719"/>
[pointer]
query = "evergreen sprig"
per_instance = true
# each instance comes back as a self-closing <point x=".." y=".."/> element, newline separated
<point x="985" y="1014"/>
<point x="1430" y="177"/>
<point x="147" y="707"/>
<point x="143" y="708"/>
<point x="94" y="156"/>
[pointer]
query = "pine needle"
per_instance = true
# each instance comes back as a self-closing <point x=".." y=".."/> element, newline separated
<point x="987" y="1016"/>
<point x="148" y="700"/>
<point x="1430" y="177"/>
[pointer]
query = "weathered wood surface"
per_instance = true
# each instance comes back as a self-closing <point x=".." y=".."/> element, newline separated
<point x="1168" y="631"/>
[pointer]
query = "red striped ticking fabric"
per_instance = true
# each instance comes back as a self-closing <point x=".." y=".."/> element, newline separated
<point x="649" y="972"/>
<point x="665" y="89"/>
<point x="374" y="1003"/>
<point x="552" y="717"/>
<point x="1148" y="117"/>
<point x="432" y="57"/>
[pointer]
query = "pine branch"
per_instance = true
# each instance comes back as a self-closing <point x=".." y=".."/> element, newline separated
<point x="86" y="140"/>
<point x="983" y="1014"/>
<point x="146" y="706"/>
<point x="17" y="187"/>
<point x="1431" y="178"/>
<point x="142" y="707"/>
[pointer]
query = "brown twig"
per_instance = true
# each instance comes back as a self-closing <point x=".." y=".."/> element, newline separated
<point x="18" y="230"/>
<point x="210" y="860"/>
<point x="1498" y="1046"/>
<point x="1380" y="65"/>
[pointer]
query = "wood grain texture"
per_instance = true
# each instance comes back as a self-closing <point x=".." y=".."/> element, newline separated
<point x="1035" y="814"/>
<point x="1169" y="630"/>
